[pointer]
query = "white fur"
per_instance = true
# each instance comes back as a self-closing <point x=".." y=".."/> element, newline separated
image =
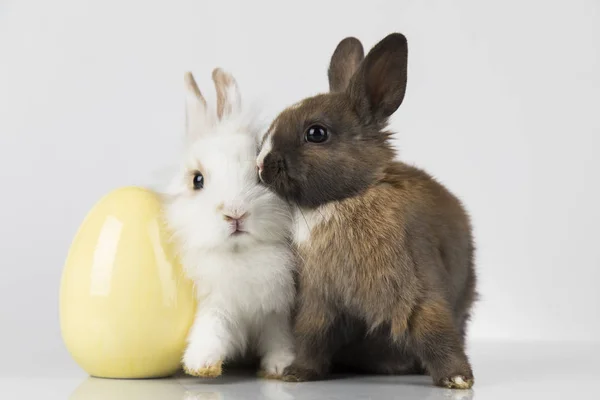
<point x="267" y="146"/>
<point x="306" y="220"/>
<point x="243" y="283"/>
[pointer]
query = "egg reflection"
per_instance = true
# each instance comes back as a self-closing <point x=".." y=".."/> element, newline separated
<point x="117" y="389"/>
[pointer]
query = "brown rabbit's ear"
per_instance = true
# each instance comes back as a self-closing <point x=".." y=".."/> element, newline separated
<point x="344" y="62"/>
<point x="228" y="95"/>
<point x="196" y="113"/>
<point x="377" y="89"/>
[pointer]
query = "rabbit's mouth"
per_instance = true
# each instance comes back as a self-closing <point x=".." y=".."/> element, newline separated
<point x="237" y="224"/>
<point x="238" y="230"/>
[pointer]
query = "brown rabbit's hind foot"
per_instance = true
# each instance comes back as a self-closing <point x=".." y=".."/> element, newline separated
<point x="296" y="373"/>
<point x="457" y="382"/>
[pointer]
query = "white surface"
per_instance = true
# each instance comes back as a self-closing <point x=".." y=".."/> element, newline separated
<point x="502" y="106"/>
<point x="509" y="371"/>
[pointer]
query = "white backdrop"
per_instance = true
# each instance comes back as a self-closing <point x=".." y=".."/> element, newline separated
<point x="502" y="106"/>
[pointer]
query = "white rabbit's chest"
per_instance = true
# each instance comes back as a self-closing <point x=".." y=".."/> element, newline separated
<point x="246" y="284"/>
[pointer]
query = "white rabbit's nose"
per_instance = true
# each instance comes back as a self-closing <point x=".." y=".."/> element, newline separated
<point x="234" y="217"/>
<point x="236" y="222"/>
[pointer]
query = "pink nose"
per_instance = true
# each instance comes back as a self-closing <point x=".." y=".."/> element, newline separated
<point x="235" y="222"/>
<point x="234" y="218"/>
<point x="260" y="165"/>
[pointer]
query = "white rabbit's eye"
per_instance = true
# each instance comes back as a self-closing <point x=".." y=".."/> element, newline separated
<point x="316" y="134"/>
<point x="198" y="181"/>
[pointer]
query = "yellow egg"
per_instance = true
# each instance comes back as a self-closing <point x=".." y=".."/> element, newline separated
<point x="125" y="304"/>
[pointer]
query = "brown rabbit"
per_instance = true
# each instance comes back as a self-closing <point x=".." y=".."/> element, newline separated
<point x="386" y="278"/>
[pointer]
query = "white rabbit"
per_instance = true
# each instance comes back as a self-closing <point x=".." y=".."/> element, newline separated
<point x="233" y="237"/>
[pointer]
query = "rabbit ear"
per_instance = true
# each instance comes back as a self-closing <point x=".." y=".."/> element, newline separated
<point x="228" y="95"/>
<point x="344" y="62"/>
<point x="196" y="113"/>
<point x="377" y="89"/>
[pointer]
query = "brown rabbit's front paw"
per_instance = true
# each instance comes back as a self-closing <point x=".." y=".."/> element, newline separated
<point x="457" y="382"/>
<point x="297" y="373"/>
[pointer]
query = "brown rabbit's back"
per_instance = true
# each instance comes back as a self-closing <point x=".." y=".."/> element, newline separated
<point x="441" y="237"/>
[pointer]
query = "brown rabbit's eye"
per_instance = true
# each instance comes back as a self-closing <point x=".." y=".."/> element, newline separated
<point x="317" y="134"/>
<point x="198" y="181"/>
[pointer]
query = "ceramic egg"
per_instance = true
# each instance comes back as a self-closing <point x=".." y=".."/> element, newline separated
<point x="125" y="304"/>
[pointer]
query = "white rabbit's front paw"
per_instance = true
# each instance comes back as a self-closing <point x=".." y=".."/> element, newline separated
<point x="275" y="362"/>
<point x="202" y="361"/>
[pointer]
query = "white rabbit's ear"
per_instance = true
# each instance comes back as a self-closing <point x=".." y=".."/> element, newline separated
<point x="229" y="101"/>
<point x="196" y="112"/>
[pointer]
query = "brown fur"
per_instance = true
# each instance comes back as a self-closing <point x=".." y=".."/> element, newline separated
<point x="344" y="62"/>
<point x="386" y="280"/>
<point x="222" y="81"/>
